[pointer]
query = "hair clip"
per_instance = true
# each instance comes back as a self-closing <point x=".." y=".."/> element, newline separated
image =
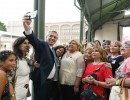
<point x="4" y="52"/>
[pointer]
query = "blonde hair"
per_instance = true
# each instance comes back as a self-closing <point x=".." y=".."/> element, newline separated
<point x="117" y="43"/>
<point x="79" y="46"/>
<point x="90" y="50"/>
<point x="103" y="53"/>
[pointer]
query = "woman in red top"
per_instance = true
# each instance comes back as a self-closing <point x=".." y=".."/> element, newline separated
<point x="99" y="56"/>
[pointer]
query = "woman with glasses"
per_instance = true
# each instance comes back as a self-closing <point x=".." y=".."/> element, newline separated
<point x="123" y="72"/>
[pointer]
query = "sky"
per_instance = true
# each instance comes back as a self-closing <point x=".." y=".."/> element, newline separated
<point x="55" y="10"/>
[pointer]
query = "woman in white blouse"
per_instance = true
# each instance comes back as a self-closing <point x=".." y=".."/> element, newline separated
<point x="72" y="67"/>
<point x="21" y="48"/>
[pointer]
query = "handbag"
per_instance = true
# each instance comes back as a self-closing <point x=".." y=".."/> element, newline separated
<point x="119" y="92"/>
<point x="89" y="94"/>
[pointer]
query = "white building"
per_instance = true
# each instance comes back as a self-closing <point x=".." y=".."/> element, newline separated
<point x="66" y="30"/>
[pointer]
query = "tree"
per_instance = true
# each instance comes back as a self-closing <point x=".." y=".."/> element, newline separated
<point x="3" y="27"/>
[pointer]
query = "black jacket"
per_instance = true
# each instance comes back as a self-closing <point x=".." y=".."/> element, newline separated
<point x="44" y="57"/>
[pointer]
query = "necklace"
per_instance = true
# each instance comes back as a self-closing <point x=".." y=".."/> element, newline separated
<point x="114" y="56"/>
<point x="96" y="63"/>
<point x="69" y="54"/>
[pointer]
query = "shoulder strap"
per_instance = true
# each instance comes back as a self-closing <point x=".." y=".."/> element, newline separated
<point x="98" y="68"/>
<point x="122" y="85"/>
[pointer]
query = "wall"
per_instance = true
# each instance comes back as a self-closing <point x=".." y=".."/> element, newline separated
<point x="66" y="30"/>
<point x="108" y="32"/>
<point x="15" y="27"/>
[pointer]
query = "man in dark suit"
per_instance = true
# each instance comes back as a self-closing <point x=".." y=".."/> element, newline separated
<point x="42" y="76"/>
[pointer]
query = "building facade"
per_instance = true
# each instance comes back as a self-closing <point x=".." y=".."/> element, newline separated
<point x="66" y="30"/>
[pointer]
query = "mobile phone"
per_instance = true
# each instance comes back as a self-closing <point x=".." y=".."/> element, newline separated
<point x="32" y="15"/>
<point x="94" y="76"/>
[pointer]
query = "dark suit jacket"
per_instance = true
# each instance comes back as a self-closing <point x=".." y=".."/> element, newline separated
<point x="44" y="56"/>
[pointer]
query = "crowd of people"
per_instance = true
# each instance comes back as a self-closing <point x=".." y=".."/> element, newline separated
<point x="62" y="73"/>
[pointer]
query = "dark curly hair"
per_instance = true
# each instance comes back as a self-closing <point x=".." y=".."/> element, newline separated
<point x="16" y="45"/>
<point x="5" y="54"/>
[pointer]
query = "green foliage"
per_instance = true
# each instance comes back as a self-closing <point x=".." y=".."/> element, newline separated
<point x="3" y="27"/>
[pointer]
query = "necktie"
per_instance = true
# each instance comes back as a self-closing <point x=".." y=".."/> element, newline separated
<point x="56" y="65"/>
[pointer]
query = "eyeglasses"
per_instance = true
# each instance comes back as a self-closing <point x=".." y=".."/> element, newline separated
<point x="106" y="44"/>
<point x="114" y="46"/>
<point x="124" y="47"/>
<point x="87" y="53"/>
<point x="95" y="50"/>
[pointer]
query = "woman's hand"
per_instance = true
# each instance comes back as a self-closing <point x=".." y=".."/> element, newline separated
<point x="108" y="65"/>
<point x="36" y="64"/>
<point x="88" y="79"/>
<point x="13" y="98"/>
<point x="84" y="42"/>
<point x="111" y="81"/>
<point x="76" y="89"/>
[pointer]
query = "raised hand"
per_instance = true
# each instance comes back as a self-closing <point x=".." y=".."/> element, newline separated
<point x="26" y="23"/>
<point x="84" y="42"/>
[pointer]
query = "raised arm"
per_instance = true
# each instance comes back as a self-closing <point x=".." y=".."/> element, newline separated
<point x="34" y="41"/>
<point x="26" y="23"/>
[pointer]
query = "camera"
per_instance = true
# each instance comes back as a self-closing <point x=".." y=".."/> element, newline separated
<point x="31" y="15"/>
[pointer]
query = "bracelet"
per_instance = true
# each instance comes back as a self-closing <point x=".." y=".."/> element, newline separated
<point x="118" y="82"/>
<point x="12" y="95"/>
<point x="97" y="83"/>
